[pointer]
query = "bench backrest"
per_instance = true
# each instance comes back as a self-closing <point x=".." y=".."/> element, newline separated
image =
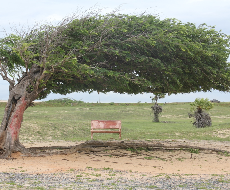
<point x="105" y="124"/>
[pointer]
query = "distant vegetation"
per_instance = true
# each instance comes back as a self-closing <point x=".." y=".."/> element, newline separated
<point x="60" y="102"/>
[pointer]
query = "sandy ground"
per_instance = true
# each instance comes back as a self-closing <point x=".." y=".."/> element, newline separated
<point x="152" y="162"/>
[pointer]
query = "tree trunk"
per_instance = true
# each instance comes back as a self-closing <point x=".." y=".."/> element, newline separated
<point x="9" y="133"/>
<point x="20" y="98"/>
<point x="156" y="111"/>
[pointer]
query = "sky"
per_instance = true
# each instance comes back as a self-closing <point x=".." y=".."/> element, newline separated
<point x="26" y="13"/>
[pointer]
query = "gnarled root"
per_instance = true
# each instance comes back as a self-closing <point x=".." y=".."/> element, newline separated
<point x="18" y="147"/>
<point x="12" y="148"/>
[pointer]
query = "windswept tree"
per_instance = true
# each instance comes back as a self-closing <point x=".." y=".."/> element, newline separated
<point x="113" y="52"/>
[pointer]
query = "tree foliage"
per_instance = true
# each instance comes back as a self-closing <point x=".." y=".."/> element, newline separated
<point x="157" y="96"/>
<point x="120" y="53"/>
<point x="201" y="104"/>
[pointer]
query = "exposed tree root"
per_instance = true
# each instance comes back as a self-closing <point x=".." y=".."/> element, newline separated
<point x="95" y="146"/>
<point x="18" y="147"/>
<point x="9" y="149"/>
<point x="100" y="147"/>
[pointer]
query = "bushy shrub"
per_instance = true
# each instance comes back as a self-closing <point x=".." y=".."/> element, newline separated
<point x="61" y="102"/>
<point x="201" y="104"/>
<point x="202" y="119"/>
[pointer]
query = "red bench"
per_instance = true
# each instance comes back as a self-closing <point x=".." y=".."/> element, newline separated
<point x="98" y="126"/>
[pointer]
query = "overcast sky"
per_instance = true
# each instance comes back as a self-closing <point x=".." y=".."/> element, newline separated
<point x="23" y="13"/>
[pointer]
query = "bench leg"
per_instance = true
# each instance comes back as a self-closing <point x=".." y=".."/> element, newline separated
<point x="91" y="135"/>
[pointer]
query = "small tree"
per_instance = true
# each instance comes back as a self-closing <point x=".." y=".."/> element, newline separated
<point x="156" y="108"/>
<point x="202" y="119"/>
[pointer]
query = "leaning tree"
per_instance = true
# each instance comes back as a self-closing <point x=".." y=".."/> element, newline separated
<point x="113" y="52"/>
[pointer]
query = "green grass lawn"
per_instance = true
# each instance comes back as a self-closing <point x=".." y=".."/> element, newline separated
<point x="47" y="122"/>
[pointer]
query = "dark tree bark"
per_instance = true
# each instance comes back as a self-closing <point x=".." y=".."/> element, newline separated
<point x="156" y="111"/>
<point x="202" y="119"/>
<point x="21" y="96"/>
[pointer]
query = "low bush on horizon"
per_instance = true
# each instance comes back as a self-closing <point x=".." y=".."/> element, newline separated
<point x="60" y="102"/>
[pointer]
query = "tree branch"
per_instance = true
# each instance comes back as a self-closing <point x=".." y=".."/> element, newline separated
<point x="4" y="76"/>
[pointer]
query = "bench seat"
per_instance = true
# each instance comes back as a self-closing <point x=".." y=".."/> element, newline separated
<point x="105" y="126"/>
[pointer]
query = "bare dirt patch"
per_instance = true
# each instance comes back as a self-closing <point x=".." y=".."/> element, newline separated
<point x="222" y="133"/>
<point x="169" y="161"/>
